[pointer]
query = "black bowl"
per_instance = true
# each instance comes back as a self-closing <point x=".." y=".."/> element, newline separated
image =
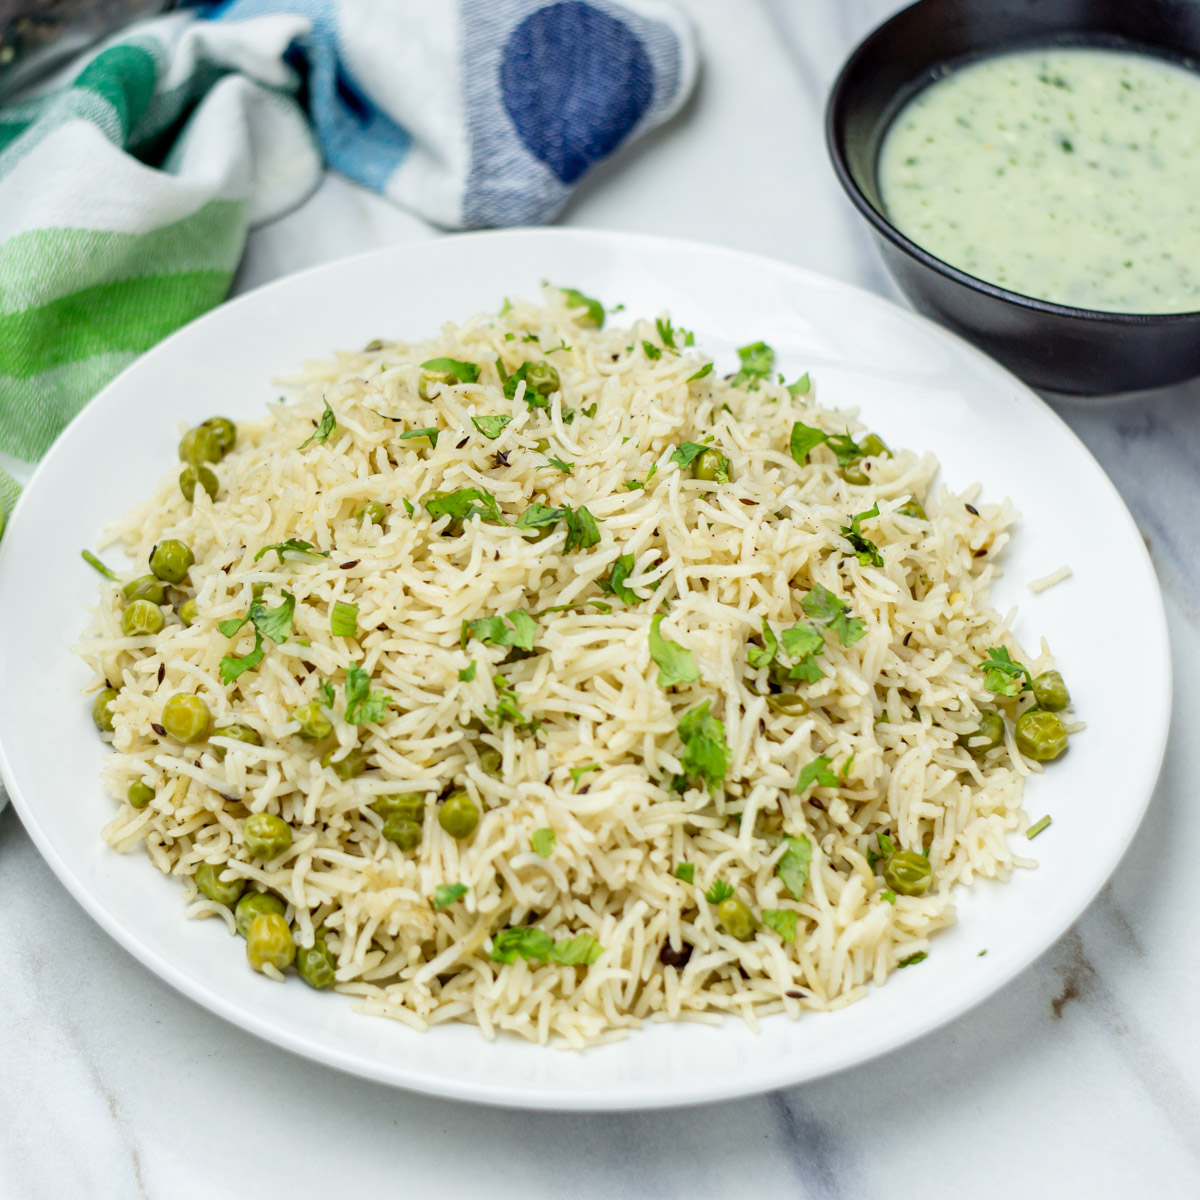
<point x="1077" y="351"/>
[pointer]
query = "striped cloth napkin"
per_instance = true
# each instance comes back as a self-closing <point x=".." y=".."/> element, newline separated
<point x="127" y="184"/>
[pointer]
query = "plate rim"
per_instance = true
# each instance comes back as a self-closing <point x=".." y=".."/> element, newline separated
<point x="625" y="1099"/>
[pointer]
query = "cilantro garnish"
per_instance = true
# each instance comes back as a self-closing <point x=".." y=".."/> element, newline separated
<point x="590" y="410"/>
<point x="719" y="891"/>
<point x="803" y="643"/>
<point x="764" y="656"/>
<point x="429" y="432"/>
<point x="793" y="867"/>
<point x="782" y="920"/>
<point x="274" y="623"/>
<point x="636" y="485"/>
<point x="687" y="453"/>
<point x="913" y="959"/>
<point x="757" y="361"/>
<point x="468" y="673"/>
<point x="232" y="666"/>
<point x="524" y="941"/>
<point x="582" y="531"/>
<point x="652" y="351"/>
<point x="889" y="896"/>
<point x="1004" y="676"/>
<point x="343" y="620"/>
<point x="595" y="310"/>
<point x="490" y="427"/>
<point x="685" y="871"/>
<point x="577" y="773"/>
<point x="554" y="461"/>
<point x="801" y="387"/>
<point x="666" y="334"/>
<point x="363" y="706"/>
<point x="452" y="370"/>
<point x="324" y="429"/>
<point x="1037" y="828"/>
<point x="707" y="369"/>
<point x="446" y="894"/>
<point x="295" y="547"/>
<point x="93" y="561"/>
<point x="543" y="841"/>
<point x="705" y="752"/>
<point x="614" y="583"/>
<point x="675" y="662"/>
<point x="867" y="552"/>
<point x="492" y="629"/>
<point x="806" y="438"/>
<point x="533" y="397"/>
<point x="817" y="772"/>
<point x="824" y="607"/>
<point x="580" y="951"/>
<point x="506" y="711"/>
<point x="464" y="504"/>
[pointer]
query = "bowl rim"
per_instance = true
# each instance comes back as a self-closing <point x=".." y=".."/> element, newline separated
<point x="834" y="130"/>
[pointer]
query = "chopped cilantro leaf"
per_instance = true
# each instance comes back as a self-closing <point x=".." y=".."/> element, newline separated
<point x="707" y="369"/>
<point x="590" y="410"/>
<point x="323" y="430"/>
<point x="913" y="959"/>
<point x="580" y="951"/>
<point x="614" y="584"/>
<point x="554" y="461"/>
<point x="232" y="666"/>
<point x="1004" y="676"/>
<point x="582" y="531"/>
<point x="429" y="432"/>
<point x="705" y="753"/>
<point x="595" y="310"/>
<point x="666" y="334"/>
<point x="452" y="370"/>
<point x="763" y="657"/>
<point x="468" y="673"/>
<point x="757" y="360"/>
<point x="675" y="662"/>
<point x="824" y="607"/>
<point x="805" y="439"/>
<point x="889" y="896"/>
<point x="816" y="772"/>
<point x="866" y="551"/>
<point x="577" y="773"/>
<point x="719" y="891"/>
<point x="274" y="623"/>
<point x="801" y="387"/>
<point x="296" y="548"/>
<point x="524" y="941"/>
<point x="363" y="706"/>
<point x="490" y="427"/>
<point x="464" y="504"/>
<point x="446" y="894"/>
<point x="652" y="351"/>
<point x="782" y="920"/>
<point x="794" y="865"/>
<point x="543" y="841"/>
<point x="685" y="871"/>
<point x="492" y="629"/>
<point x="687" y="453"/>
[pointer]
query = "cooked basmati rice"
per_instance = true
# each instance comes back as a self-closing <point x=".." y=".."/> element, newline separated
<point x="1048" y="581"/>
<point x="716" y="558"/>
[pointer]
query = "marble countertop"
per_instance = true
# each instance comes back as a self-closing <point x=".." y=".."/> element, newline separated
<point x="1079" y="1079"/>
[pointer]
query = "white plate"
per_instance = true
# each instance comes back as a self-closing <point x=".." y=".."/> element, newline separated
<point x="918" y="385"/>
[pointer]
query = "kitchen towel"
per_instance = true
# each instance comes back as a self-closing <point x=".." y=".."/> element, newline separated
<point x="128" y="182"/>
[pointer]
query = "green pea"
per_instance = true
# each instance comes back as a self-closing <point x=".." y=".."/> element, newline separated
<point x="140" y="794"/>
<point x="141" y="617"/>
<point x="269" y="940"/>
<point x="188" y="612"/>
<point x="490" y="762"/>
<point x="265" y="835"/>
<point x="224" y="430"/>
<point x="314" y="724"/>
<point x="145" y="587"/>
<point x="186" y="718"/>
<point x="102" y="712"/>
<point x="349" y="767"/>
<point x="912" y="508"/>
<point x="171" y="559"/>
<point x="1040" y="735"/>
<point x="193" y="476"/>
<point x="711" y="466"/>
<point x="371" y="511"/>
<point x="790" y="703"/>
<point x="316" y="965"/>
<point x="542" y="378"/>
<point x="736" y="918"/>
<point x="252" y="904"/>
<point x="408" y="806"/>
<point x="208" y="880"/>
<point x="237" y="733"/>
<point x="406" y="834"/>
<point x="459" y="814"/>
<point x="907" y="872"/>
<point x="989" y="733"/>
<point x="1050" y="691"/>
<point x="200" y="445"/>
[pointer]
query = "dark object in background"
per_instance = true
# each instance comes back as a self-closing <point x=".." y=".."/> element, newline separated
<point x="1070" y="350"/>
<point x="38" y="35"/>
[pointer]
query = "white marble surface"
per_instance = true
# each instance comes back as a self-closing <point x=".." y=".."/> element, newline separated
<point x="1080" y="1079"/>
